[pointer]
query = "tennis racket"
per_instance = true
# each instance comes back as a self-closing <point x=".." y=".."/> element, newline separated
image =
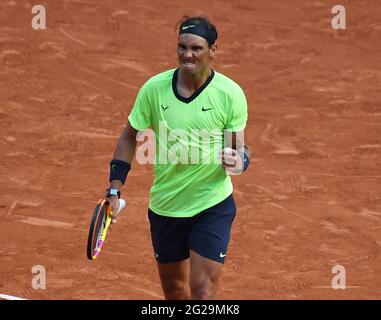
<point x="100" y="223"/>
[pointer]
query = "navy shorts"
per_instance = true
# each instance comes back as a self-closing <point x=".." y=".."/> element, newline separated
<point x="207" y="233"/>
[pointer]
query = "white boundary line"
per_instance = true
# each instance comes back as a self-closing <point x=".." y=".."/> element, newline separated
<point x="8" y="297"/>
<point x="346" y="287"/>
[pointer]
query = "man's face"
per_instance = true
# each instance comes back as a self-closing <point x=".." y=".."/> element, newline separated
<point x="194" y="53"/>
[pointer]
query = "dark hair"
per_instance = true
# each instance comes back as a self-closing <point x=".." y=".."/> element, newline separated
<point x="197" y="20"/>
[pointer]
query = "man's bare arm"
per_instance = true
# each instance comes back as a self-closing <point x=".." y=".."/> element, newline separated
<point x="125" y="149"/>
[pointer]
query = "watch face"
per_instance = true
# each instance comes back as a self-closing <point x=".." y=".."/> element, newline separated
<point x="112" y="192"/>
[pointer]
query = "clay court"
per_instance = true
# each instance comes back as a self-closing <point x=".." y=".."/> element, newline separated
<point x="310" y="200"/>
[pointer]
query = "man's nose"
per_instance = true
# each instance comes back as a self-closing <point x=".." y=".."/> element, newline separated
<point x="188" y="53"/>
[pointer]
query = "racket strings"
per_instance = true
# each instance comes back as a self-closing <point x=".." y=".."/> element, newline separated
<point x="99" y="227"/>
<point x="102" y="227"/>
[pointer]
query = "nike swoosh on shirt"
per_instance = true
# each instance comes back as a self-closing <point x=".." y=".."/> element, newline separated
<point x="222" y="255"/>
<point x="206" y="109"/>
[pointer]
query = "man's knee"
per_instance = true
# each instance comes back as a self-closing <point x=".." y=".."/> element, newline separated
<point x="202" y="291"/>
<point x="174" y="290"/>
<point x="174" y="279"/>
<point x="204" y="277"/>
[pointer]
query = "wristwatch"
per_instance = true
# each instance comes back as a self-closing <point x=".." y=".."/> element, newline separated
<point x="112" y="192"/>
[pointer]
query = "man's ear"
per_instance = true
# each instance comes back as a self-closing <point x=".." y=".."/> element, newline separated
<point x="212" y="50"/>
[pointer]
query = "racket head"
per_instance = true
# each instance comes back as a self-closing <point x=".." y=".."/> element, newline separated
<point x="99" y="222"/>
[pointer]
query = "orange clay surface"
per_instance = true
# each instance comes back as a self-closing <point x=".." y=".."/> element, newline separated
<point x="310" y="200"/>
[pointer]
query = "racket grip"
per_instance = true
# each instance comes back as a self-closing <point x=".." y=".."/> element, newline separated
<point x="122" y="204"/>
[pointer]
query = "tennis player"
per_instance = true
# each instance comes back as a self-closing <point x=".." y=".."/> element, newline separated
<point x="191" y="208"/>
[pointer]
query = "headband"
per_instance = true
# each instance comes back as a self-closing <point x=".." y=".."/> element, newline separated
<point x="199" y="29"/>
